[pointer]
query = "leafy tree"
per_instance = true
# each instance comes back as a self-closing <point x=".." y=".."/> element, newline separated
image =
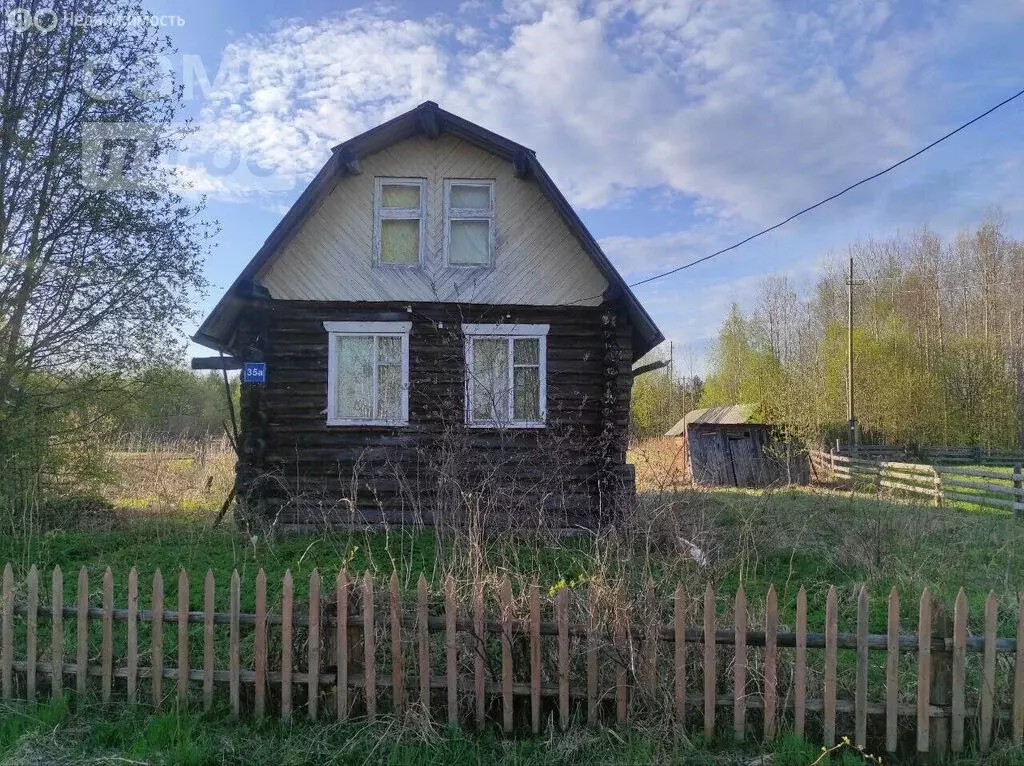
<point x="100" y="254"/>
<point x="938" y="343"/>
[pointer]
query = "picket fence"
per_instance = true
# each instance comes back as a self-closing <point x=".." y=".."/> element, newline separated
<point x="977" y="486"/>
<point x="626" y="654"/>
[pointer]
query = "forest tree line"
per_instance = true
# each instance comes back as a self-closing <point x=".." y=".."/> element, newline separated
<point x="938" y="337"/>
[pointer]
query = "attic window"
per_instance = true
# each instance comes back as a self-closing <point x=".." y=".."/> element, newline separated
<point x="398" y="212"/>
<point x="469" y="222"/>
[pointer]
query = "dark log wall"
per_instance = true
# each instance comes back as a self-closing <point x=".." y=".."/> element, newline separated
<point x="297" y="470"/>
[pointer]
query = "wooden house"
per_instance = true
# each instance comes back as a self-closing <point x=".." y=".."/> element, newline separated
<point x="728" y="447"/>
<point x="443" y="339"/>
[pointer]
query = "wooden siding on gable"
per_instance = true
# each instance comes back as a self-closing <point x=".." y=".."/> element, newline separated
<point x="537" y="260"/>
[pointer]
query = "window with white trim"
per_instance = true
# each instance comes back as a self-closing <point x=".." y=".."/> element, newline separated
<point x="506" y="375"/>
<point x="399" y="221"/>
<point x="469" y="222"/>
<point x="368" y="373"/>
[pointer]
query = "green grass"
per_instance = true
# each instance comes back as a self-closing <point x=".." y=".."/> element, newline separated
<point x="52" y="734"/>
<point x="788" y="538"/>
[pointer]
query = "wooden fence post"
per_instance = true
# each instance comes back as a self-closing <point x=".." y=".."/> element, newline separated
<point x="892" y="659"/>
<point x="710" y="662"/>
<point x="313" y="657"/>
<point x="505" y="612"/>
<point x="397" y="656"/>
<point x="423" y="643"/>
<point x="562" y="610"/>
<point x="959" y="678"/>
<point x="739" y="666"/>
<point x="941" y="680"/>
<point x="208" y="606"/>
<point x="157" y="640"/>
<point x="924" y="670"/>
<point x="341" y="643"/>
<point x="259" y="662"/>
<point x="183" y="663"/>
<point x="57" y="635"/>
<point x="829" y="690"/>
<point x="479" y="654"/>
<point x="938" y="487"/>
<point x="451" y="646"/>
<point x="988" y="673"/>
<point x="31" y="629"/>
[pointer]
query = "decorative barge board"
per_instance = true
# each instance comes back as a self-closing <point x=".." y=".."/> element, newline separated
<point x="445" y="343"/>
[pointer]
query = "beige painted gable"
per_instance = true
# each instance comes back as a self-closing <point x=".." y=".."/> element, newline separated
<point x="537" y="259"/>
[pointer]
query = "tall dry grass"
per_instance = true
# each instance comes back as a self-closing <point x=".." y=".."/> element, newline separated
<point x="181" y="477"/>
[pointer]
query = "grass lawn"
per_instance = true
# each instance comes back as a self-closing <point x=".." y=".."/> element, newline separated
<point x="789" y="538"/>
<point x="51" y="734"/>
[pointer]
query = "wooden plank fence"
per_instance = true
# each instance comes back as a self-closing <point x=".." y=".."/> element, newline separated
<point x="984" y="487"/>
<point x="522" y="660"/>
<point x="931" y="453"/>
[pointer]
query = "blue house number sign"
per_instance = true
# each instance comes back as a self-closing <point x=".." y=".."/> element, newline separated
<point x="254" y="372"/>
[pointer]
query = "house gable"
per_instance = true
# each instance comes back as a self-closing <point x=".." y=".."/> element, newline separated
<point x="428" y="122"/>
<point x="537" y="261"/>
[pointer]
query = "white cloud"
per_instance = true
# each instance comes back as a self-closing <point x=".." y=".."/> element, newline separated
<point x="746" y="108"/>
<point x="740" y="112"/>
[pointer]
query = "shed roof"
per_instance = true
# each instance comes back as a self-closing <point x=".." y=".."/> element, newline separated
<point x="736" y="414"/>
<point x="216" y="330"/>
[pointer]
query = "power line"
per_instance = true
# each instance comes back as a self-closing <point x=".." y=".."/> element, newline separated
<point x="816" y="205"/>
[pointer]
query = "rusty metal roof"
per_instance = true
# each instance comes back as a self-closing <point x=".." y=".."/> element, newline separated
<point x="733" y="415"/>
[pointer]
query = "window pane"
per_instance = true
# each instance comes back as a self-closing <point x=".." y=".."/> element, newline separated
<point x="490" y="379"/>
<point x="527" y="351"/>
<point x="476" y="197"/>
<point x="400" y="241"/>
<point x="470" y="242"/>
<point x="527" y="393"/>
<point x="397" y="195"/>
<point x="389" y="350"/>
<point x="389" y="399"/>
<point x="354" y="386"/>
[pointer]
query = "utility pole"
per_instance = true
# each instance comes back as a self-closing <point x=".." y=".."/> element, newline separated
<point x="849" y="355"/>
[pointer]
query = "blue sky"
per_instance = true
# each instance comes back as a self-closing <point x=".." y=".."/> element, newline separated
<point x="675" y="126"/>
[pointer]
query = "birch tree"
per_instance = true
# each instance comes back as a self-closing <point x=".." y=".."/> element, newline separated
<point x="100" y="254"/>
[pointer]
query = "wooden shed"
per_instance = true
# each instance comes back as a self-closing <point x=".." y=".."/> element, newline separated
<point x="728" y="447"/>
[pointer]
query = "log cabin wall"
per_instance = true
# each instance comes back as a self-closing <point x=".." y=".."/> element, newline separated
<point x="296" y="470"/>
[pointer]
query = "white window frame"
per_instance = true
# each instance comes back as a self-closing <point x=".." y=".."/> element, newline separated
<point x="468" y="214"/>
<point x="509" y="332"/>
<point x="381" y="213"/>
<point x="337" y="330"/>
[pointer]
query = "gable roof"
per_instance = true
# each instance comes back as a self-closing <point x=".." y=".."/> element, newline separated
<point x="733" y="415"/>
<point x="216" y="330"/>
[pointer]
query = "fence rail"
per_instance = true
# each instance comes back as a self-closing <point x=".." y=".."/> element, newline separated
<point x="340" y="652"/>
<point x="976" y="486"/>
<point x="930" y="453"/>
